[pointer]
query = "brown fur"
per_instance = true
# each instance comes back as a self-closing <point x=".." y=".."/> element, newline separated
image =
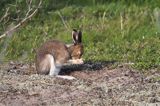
<point x="76" y="51"/>
<point x="55" y="53"/>
<point x="57" y="49"/>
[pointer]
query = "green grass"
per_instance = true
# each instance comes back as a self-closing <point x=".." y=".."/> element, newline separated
<point x="104" y="39"/>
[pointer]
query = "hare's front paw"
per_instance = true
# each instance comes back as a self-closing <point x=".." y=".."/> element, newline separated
<point x="76" y="61"/>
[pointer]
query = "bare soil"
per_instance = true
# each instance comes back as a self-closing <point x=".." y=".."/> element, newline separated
<point x="96" y="84"/>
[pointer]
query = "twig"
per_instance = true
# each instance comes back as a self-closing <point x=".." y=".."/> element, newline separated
<point x="121" y="21"/>
<point x="21" y="22"/>
<point x="64" y="23"/>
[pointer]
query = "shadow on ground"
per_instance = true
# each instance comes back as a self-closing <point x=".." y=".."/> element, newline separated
<point x="28" y="69"/>
<point x="87" y="66"/>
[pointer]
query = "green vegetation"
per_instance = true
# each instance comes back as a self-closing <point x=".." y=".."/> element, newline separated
<point x="120" y="30"/>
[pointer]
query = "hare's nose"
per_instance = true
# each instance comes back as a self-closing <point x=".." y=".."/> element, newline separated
<point x="78" y="52"/>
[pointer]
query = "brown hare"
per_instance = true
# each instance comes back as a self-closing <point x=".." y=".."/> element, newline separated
<point x="53" y="54"/>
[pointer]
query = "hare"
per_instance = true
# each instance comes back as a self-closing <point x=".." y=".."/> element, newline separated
<point x="53" y="54"/>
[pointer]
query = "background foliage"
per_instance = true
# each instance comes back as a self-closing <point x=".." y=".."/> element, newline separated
<point x="113" y="30"/>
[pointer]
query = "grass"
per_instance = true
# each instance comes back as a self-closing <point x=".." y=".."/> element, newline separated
<point x="111" y="31"/>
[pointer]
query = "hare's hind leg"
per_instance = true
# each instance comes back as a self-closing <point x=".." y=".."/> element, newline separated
<point x="66" y="77"/>
<point x="53" y="69"/>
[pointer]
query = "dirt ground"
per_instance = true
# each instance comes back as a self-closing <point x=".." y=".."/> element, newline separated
<point x="96" y="84"/>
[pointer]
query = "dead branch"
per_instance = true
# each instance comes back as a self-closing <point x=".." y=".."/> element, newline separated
<point x="27" y="17"/>
<point x="29" y="7"/>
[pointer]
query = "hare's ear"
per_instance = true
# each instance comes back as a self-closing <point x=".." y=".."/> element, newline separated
<point x="74" y="36"/>
<point x="79" y="37"/>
